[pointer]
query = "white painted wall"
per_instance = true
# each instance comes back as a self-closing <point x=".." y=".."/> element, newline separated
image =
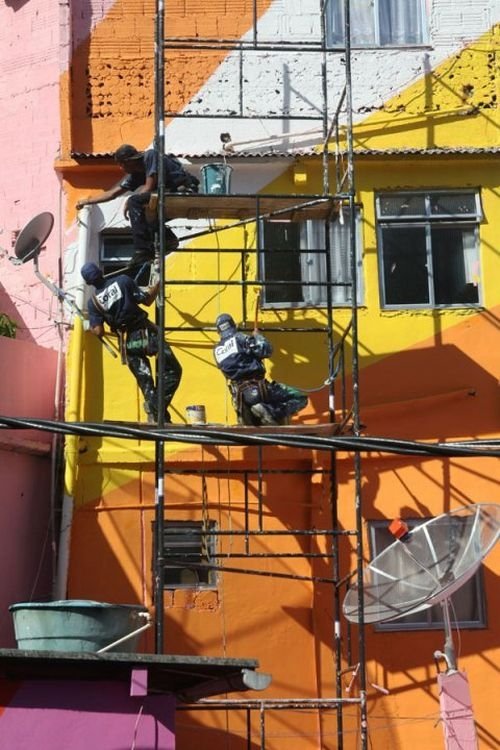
<point x="292" y="83"/>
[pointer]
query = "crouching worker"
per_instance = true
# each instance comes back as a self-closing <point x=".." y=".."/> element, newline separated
<point x="256" y="400"/>
<point x="117" y="302"/>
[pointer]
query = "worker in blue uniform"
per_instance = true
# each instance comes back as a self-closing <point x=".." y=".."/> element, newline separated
<point x="140" y="180"/>
<point x="256" y="400"/>
<point x="117" y="302"/>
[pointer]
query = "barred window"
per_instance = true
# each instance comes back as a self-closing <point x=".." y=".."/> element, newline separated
<point x="188" y="546"/>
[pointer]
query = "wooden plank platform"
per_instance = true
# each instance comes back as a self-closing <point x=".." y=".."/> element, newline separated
<point x="317" y="430"/>
<point x="242" y="207"/>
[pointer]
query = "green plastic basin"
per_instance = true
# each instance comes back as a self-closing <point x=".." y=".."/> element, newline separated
<point x="76" y="625"/>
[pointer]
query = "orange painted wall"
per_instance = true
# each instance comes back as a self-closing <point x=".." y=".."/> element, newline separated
<point x="112" y="77"/>
<point x="269" y="618"/>
<point x="288" y="624"/>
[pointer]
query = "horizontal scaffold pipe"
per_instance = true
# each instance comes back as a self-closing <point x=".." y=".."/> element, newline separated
<point x="174" y="563"/>
<point x="269" y="703"/>
<point x="239" y="116"/>
<point x="237" y="436"/>
<point x="257" y="282"/>
<point x="189" y="43"/>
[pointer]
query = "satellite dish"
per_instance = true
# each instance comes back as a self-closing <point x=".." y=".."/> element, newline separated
<point x="427" y="566"/>
<point x="32" y="237"/>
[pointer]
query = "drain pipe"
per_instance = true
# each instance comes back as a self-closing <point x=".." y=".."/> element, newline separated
<point x="74" y="381"/>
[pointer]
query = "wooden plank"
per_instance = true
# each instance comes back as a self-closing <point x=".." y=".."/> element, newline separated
<point x="241" y="207"/>
<point x="296" y="428"/>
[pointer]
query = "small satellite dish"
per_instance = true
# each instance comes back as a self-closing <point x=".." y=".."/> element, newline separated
<point x="32" y="237"/>
<point x="427" y="566"/>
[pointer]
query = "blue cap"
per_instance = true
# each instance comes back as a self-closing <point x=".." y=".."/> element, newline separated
<point x="91" y="273"/>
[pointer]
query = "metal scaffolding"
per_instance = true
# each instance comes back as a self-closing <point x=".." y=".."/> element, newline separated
<point x="254" y="208"/>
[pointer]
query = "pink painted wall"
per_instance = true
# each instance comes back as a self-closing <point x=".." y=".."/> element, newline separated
<point x="27" y="378"/>
<point x="79" y="715"/>
<point x="30" y="61"/>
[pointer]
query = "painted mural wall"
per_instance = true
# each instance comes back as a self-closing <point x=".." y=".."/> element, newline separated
<point x="426" y="374"/>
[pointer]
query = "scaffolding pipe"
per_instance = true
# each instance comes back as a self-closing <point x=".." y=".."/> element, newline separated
<point x="159" y="568"/>
<point x="355" y="379"/>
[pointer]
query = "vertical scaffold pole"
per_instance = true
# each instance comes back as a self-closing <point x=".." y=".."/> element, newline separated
<point x="159" y="92"/>
<point x="355" y="376"/>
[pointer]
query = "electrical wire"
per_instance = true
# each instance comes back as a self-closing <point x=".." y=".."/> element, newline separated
<point x="208" y="435"/>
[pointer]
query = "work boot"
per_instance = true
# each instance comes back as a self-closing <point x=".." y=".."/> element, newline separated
<point x="263" y="414"/>
<point x="151" y="413"/>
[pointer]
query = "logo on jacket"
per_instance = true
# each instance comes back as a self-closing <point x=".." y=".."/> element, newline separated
<point x="223" y="351"/>
<point x="109" y="296"/>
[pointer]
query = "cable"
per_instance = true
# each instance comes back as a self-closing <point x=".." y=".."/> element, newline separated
<point x="207" y="435"/>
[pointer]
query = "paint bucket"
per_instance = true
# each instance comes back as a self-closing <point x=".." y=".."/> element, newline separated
<point x="77" y="625"/>
<point x="196" y="414"/>
<point x="216" y="178"/>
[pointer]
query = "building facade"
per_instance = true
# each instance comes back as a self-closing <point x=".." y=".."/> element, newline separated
<point x="422" y="115"/>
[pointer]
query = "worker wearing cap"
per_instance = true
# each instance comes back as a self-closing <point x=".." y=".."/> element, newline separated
<point x="117" y="302"/>
<point x="141" y="168"/>
<point x="256" y="400"/>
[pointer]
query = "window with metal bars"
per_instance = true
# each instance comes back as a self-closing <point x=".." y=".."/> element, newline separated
<point x="188" y="547"/>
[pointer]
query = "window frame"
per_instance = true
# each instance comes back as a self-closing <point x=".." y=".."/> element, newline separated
<point x="314" y="291"/>
<point x="333" y="8"/>
<point x="116" y="262"/>
<point x="211" y="581"/>
<point x="431" y="620"/>
<point x="428" y="221"/>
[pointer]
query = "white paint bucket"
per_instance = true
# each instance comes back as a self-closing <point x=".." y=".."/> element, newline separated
<point x="196" y="414"/>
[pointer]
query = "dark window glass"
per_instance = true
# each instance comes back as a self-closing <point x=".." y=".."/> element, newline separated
<point x="429" y="248"/>
<point x="281" y="257"/>
<point x="405" y="266"/>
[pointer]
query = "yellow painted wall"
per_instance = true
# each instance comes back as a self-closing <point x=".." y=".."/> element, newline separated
<point x="454" y="106"/>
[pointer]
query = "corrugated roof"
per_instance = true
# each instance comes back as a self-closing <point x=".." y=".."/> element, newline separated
<point x="310" y="152"/>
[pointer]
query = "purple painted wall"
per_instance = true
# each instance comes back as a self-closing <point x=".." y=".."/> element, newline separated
<point x="27" y="377"/>
<point x="58" y="715"/>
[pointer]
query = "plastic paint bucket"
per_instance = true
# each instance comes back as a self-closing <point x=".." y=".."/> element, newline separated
<point x="216" y="178"/>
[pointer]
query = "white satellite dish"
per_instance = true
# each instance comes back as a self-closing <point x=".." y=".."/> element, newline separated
<point x="428" y="566"/>
<point x="425" y="567"/>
